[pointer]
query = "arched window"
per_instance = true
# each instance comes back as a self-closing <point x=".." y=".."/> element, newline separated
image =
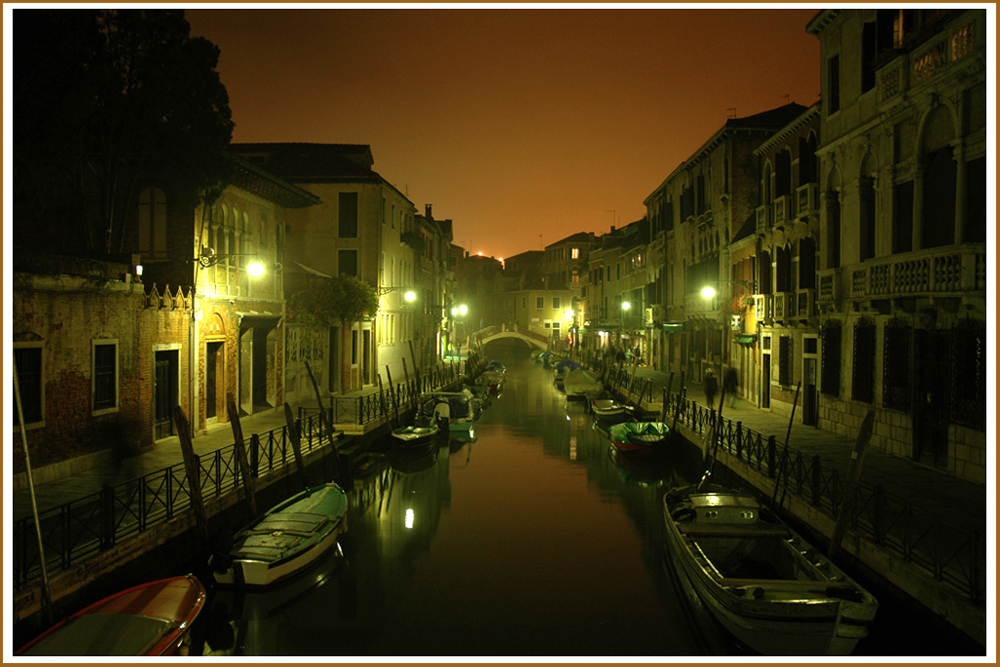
<point x="783" y="174"/>
<point x="153" y="223"/>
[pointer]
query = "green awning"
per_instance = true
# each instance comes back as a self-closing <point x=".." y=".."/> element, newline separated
<point x="673" y="326"/>
<point x="745" y="339"/>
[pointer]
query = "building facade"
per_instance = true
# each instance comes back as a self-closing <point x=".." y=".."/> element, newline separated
<point x="902" y="269"/>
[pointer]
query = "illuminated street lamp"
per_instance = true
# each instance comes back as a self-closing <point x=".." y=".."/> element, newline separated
<point x="410" y="296"/>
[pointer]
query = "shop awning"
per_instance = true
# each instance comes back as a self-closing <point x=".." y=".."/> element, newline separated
<point x="670" y="327"/>
<point x="745" y="339"/>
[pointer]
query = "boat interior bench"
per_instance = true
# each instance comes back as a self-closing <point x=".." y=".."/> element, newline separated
<point x="723" y="530"/>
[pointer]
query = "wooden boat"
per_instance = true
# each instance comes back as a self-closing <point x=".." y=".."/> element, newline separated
<point x="422" y="431"/>
<point x="458" y="407"/>
<point x="609" y="410"/>
<point x="287" y="538"/>
<point x="152" y="619"/>
<point x="581" y="383"/>
<point x="638" y="436"/>
<point x="769" y="588"/>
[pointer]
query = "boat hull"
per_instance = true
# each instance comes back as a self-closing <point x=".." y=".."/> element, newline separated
<point x="637" y="437"/>
<point x="415" y="436"/>
<point x="802" y="615"/>
<point x="150" y="620"/>
<point x="288" y="538"/>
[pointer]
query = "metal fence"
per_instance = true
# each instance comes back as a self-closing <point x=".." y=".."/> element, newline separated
<point x="917" y="536"/>
<point x="84" y="527"/>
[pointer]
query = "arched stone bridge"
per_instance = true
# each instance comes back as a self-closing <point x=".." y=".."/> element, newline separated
<point x="510" y="331"/>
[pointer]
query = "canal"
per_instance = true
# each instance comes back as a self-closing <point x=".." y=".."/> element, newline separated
<point x="531" y="540"/>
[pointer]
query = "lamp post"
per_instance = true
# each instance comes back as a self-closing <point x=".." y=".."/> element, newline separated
<point x="709" y="292"/>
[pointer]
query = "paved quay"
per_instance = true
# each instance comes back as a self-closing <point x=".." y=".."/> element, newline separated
<point x="963" y="504"/>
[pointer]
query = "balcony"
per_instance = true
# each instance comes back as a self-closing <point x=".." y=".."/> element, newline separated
<point x="807" y="200"/>
<point x="782" y="210"/>
<point x="923" y="273"/>
<point x="763" y="217"/>
<point x="764" y="306"/>
<point x="930" y="58"/>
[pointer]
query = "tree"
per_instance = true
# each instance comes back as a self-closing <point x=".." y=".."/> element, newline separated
<point x="107" y="102"/>
<point x="330" y="302"/>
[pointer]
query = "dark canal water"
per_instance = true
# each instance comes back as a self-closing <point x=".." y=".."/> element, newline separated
<point x="529" y="541"/>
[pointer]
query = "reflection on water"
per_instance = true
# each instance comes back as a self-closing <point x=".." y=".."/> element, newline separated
<point x="527" y="538"/>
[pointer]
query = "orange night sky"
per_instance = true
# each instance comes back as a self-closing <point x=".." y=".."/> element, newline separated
<point x="521" y="125"/>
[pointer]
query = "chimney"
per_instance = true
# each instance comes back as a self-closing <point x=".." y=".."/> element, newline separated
<point x="427" y="214"/>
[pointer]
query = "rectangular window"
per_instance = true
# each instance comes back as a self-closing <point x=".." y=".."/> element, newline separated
<point x="863" y="373"/>
<point x="902" y="218"/>
<point x="524" y="302"/>
<point x="833" y="84"/>
<point x="575" y="253"/>
<point x="105" y="376"/>
<point x="556" y="324"/>
<point x="555" y="303"/>
<point x="830" y="360"/>
<point x="896" y="366"/>
<point x="348" y="215"/>
<point x="969" y="359"/>
<point x="29" y="379"/>
<point x="785" y="360"/>
<point x="869" y="47"/>
<point x="347" y="262"/>
<point x="540" y="302"/>
<point x="354" y="348"/>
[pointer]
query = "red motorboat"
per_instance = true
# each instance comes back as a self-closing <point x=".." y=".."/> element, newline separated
<point x="151" y="619"/>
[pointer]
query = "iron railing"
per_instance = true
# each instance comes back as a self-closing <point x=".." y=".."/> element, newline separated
<point x="948" y="553"/>
<point x="84" y="527"/>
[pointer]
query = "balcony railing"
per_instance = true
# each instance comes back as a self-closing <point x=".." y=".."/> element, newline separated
<point x="938" y="272"/>
<point x="783" y="210"/>
<point x="807" y="200"/>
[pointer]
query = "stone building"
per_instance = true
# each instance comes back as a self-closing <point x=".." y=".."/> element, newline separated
<point x="365" y="228"/>
<point x="903" y="218"/>
<point x="694" y="215"/>
<point x="775" y="344"/>
<point x="82" y="361"/>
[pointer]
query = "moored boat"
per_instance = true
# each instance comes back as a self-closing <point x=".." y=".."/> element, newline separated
<point x="458" y="407"/>
<point x="769" y="588"/>
<point x="287" y="538"/>
<point x="582" y="384"/>
<point x="151" y="619"/>
<point x="638" y="436"/>
<point x="609" y="411"/>
<point x="418" y="433"/>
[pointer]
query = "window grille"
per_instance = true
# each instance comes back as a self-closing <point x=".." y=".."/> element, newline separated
<point x="896" y="366"/>
<point x="830" y="360"/>
<point x="785" y="360"/>
<point x="105" y="376"/>
<point x="863" y="373"/>
<point x="968" y="358"/>
<point x="29" y="378"/>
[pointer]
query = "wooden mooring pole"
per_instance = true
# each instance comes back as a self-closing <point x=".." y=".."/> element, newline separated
<point x="241" y="453"/>
<point x="293" y="435"/>
<point x="193" y="470"/>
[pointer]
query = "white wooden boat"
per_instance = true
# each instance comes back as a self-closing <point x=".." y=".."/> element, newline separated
<point x="290" y="536"/>
<point x="150" y="620"/>
<point x="458" y="407"/>
<point x="769" y="588"/>
<point x="609" y="410"/>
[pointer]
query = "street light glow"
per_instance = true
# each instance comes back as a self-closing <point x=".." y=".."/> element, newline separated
<point x="462" y="310"/>
<point x="454" y="311"/>
<point x="569" y="313"/>
<point x="410" y="296"/>
<point x="708" y="292"/>
<point x="626" y="305"/>
<point x="255" y="269"/>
